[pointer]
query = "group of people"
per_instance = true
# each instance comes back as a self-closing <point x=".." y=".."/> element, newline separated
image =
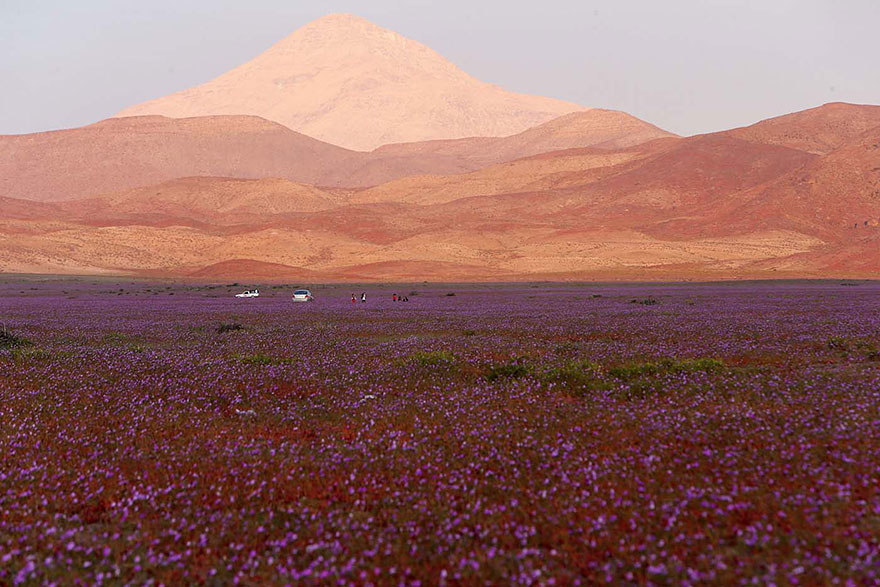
<point x="394" y="298"/>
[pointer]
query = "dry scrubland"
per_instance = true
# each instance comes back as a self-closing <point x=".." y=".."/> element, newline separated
<point x="649" y="434"/>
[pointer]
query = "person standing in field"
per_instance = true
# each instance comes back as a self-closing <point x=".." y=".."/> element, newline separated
<point x="394" y="298"/>
<point x="364" y="298"/>
<point x="352" y="299"/>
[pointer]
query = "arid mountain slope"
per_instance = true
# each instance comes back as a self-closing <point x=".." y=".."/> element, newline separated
<point x="551" y="171"/>
<point x="817" y="130"/>
<point x="661" y="207"/>
<point x="709" y="206"/>
<point x="380" y="242"/>
<point x="346" y="81"/>
<point x="662" y="175"/>
<point x="696" y="172"/>
<point x="202" y="200"/>
<point x="16" y="209"/>
<point x="604" y="129"/>
<point x="120" y="154"/>
<point x="125" y="153"/>
<point x="836" y="196"/>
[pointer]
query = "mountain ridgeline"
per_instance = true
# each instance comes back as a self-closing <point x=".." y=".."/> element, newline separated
<point x="348" y="152"/>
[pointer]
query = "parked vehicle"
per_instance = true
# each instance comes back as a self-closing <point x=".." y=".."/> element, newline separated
<point x="251" y="293"/>
<point x="302" y="295"/>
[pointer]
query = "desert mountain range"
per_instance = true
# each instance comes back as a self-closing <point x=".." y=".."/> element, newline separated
<point x="122" y="153"/>
<point x="347" y="152"/>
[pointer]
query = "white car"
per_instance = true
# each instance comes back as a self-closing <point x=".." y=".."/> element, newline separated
<point x="251" y="293"/>
<point x="302" y="295"/>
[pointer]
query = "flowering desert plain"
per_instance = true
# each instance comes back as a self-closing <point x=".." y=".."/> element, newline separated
<point x="528" y="433"/>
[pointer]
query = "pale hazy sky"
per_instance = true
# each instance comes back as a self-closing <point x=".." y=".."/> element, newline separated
<point x="688" y="66"/>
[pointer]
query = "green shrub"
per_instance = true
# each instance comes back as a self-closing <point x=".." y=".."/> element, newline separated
<point x="663" y="366"/>
<point x="848" y="346"/>
<point x="575" y="373"/>
<point x="513" y="370"/>
<point x="634" y="371"/>
<point x="8" y="340"/>
<point x="704" y="364"/>
<point x="433" y="359"/>
<point x="262" y="359"/>
<point x="642" y="379"/>
<point x="564" y="347"/>
<point x="838" y="343"/>
<point x="114" y="338"/>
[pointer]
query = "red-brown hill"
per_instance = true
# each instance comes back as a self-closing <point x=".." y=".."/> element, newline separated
<point x="125" y="153"/>
<point x="604" y="129"/>
<point x="712" y="205"/>
<point x="203" y="201"/>
<point x="818" y="130"/>
<point x="119" y="154"/>
<point x="836" y="196"/>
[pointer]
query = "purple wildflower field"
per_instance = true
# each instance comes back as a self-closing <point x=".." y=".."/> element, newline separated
<point x="534" y="434"/>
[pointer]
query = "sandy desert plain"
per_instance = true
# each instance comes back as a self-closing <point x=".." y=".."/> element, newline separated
<point x="627" y="357"/>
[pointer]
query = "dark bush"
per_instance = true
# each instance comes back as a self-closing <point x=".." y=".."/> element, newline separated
<point x="577" y="372"/>
<point x="838" y="343"/>
<point x="8" y="340"/>
<point x="229" y="327"/>
<point x="515" y="370"/>
<point x="645" y="302"/>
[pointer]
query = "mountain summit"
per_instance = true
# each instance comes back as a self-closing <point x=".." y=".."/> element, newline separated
<point x="344" y="80"/>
